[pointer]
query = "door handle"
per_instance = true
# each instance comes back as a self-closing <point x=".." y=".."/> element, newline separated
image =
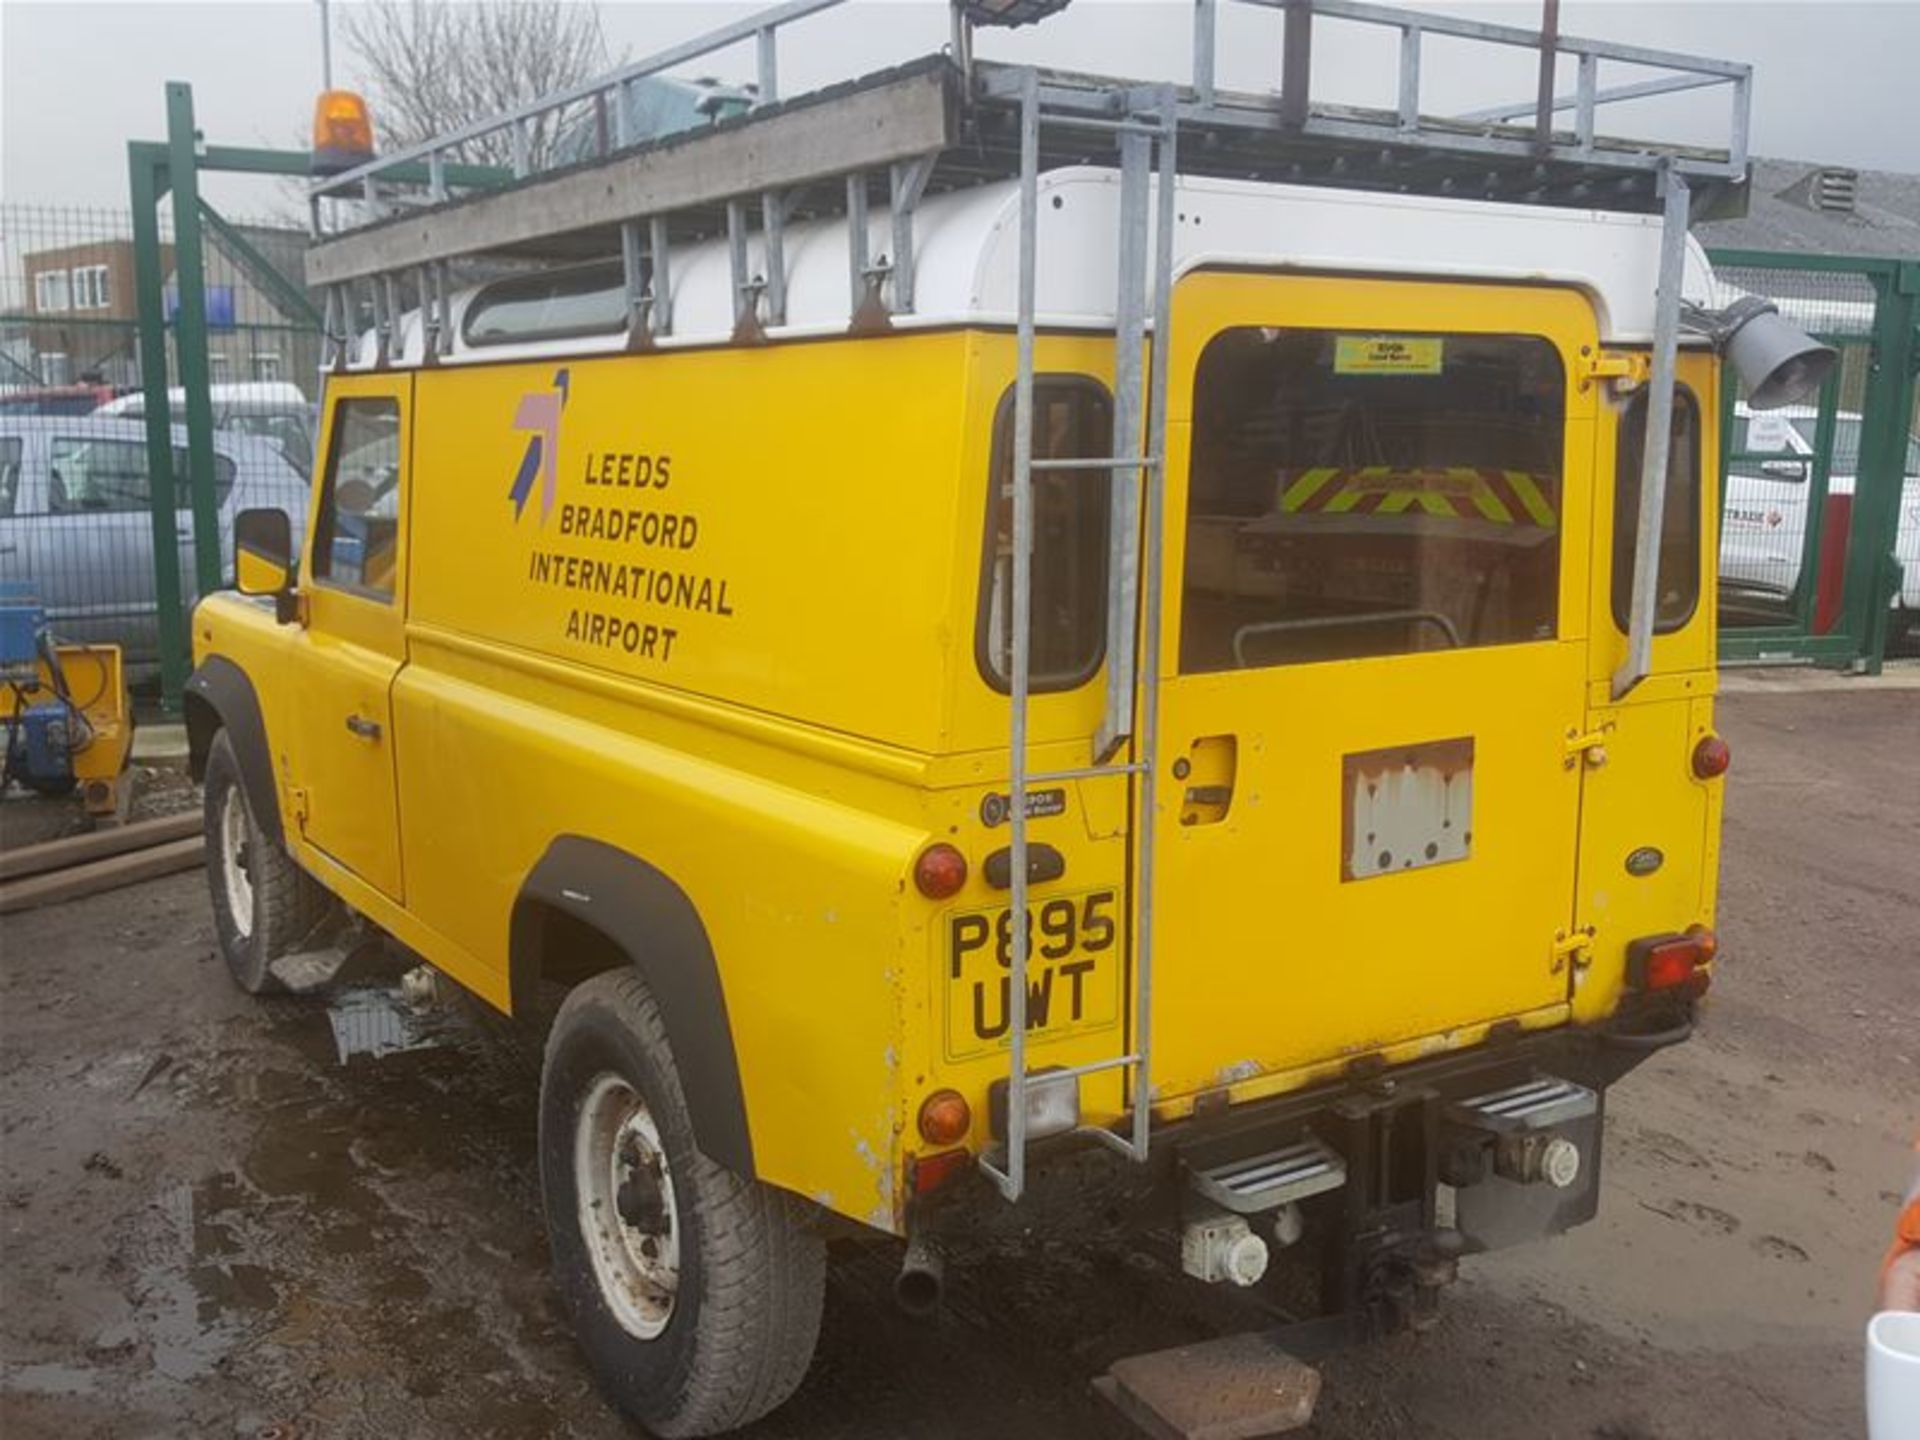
<point x="1207" y="773"/>
<point x="366" y="729"/>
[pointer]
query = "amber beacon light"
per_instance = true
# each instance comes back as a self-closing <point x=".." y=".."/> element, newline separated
<point x="342" y="132"/>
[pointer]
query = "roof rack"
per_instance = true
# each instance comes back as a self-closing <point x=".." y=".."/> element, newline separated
<point x="949" y="121"/>
<point x="955" y="121"/>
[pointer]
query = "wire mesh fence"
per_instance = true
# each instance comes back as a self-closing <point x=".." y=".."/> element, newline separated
<point x="1792" y="476"/>
<point x="77" y="514"/>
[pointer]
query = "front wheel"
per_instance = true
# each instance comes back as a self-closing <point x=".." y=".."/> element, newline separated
<point x="264" y="905"/>
<point x="695" y="1293"/>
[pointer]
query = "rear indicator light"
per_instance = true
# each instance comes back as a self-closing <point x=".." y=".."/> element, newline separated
<point x="1711" y="757"/>
<point x="1672" y="962"/>
<point x="940" y="872"/>
<point x="945" y="1118"/>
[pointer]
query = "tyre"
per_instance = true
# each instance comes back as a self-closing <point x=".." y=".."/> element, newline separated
<point x="695" y="1294"/>
<point x="264" y="905"/>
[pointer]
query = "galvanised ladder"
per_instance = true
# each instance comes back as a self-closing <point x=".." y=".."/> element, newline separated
<point x="1146" y="127"/>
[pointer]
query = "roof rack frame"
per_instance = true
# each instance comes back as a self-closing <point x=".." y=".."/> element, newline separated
<point x="942" y="124"/>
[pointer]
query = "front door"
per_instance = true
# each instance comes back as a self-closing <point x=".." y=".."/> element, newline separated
<point x="1373" y="661"/>
<point x="354" y="641"/>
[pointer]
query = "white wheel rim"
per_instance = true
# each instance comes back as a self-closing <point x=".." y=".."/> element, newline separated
<point x="618" y="1159"/>
<point x="236" y="860"/>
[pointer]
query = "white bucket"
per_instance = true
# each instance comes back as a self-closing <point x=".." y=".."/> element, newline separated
<point x="1893" y="1376"/>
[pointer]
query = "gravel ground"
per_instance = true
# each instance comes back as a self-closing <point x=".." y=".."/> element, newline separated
<point x="214" y="1226"/>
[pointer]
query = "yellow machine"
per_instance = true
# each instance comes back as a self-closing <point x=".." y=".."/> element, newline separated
<point x="69" y="725"/>
<point x="733" y="661"/>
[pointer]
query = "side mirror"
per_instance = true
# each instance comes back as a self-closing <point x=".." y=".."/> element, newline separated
<point x="263" y="557"/>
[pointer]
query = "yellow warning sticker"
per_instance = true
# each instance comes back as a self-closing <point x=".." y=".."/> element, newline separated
<point x="1388" y="354"/>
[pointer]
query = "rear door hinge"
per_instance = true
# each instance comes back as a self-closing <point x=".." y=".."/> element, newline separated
<point x="1628" y="372"/>
<point x="1573" y="947"/>
<point x="1588" y="744"/>
<point x="298" y="795"/>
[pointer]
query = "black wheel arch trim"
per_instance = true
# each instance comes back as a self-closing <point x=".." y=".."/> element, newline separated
<point x="221" y="687"/>
<point x="644" y="913"/>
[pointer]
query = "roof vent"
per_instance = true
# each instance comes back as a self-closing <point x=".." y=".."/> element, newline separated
<point x="1833" y="190"/>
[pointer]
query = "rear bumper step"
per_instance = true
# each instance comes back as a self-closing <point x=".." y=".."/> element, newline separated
<point x="1539" y="1104"/>
<point x="1272" y="1178"/>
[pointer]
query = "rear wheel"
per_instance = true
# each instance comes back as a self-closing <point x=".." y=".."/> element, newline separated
<point x="264" y="905"/>
<point x="695" y="1293"/>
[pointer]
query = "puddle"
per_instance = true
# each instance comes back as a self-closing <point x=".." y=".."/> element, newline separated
<point x="379" y="1022"/>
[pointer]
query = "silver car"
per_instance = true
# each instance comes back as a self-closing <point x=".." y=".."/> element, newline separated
<point x="76" y="520"/>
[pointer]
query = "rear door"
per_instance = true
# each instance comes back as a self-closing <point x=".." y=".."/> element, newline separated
<point x="1373" y="663"/>
<point x="355" y="637"/>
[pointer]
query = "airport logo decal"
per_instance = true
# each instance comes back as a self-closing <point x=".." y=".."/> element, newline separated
<point x="539" y="415"/>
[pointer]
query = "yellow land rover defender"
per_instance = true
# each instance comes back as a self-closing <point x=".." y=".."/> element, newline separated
<point x="988" y="629"/>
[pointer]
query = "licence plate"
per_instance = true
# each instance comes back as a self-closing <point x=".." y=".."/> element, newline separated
<point x="1073" y="971"/>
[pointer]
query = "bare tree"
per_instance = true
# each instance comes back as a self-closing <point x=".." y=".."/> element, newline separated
<point x="431" y="66"/>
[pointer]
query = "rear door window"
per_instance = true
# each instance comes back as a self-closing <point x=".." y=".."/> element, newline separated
<point x="1072" y="419"/>
<point x="1677" y="589"/>
<point x="1356" y="495"/>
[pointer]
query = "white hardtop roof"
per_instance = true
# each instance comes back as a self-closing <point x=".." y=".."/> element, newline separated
<point x="966" y="266"/>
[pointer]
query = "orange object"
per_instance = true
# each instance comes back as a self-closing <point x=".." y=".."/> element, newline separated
<point x="342" y="128"/>
<point x="945" y="1117"/>
<point x="1906" y="1236"/>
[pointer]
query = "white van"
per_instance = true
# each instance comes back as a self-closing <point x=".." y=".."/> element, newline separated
<point x="274" y="410"/>
<point x="1763" y="532"/>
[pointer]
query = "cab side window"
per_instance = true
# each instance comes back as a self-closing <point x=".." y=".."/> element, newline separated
<point x="1677" y="590"/>
<point x="357" y="535"/>
<point x="1067" y="631"/>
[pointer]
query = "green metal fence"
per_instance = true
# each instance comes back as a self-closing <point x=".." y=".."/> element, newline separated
<point x="1820" y="522"/>
<point x="77" y="482"/>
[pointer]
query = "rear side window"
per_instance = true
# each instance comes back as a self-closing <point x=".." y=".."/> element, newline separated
<point x="1356" y="494"/>
<point x="1677" y="590"/>
<point x="582" y="300"/>
<point x="357" y="537"/>
<point x="88" y="477"/>
<point x="1067" y="634"/>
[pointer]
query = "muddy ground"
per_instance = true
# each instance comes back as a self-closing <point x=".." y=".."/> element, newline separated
<point x="214" y="1226"/>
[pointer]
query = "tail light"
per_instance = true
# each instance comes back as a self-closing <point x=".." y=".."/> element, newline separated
<point x="1711" y="757"/>
<point x="940" y="871"/>
<point x="1672" y="963"/>
<point x="930" y="1172"/>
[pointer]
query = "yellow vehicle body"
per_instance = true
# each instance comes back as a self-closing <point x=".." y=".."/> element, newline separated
<point x="717" y="610"/>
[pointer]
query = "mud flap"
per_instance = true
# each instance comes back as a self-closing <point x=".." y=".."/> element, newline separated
<point x="1233" y="1388"/>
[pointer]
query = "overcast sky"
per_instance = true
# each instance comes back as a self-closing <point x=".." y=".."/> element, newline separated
<point x="1835" y="81"/>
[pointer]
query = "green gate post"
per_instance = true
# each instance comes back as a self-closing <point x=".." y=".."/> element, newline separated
<point x="1872" y="570"/>
<point x="190" y="333"/>
<point x="153" y="170"/>
<point x="147" y="182"/>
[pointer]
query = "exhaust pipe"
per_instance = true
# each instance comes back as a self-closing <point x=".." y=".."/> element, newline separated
<point x="922" y="1279"/>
